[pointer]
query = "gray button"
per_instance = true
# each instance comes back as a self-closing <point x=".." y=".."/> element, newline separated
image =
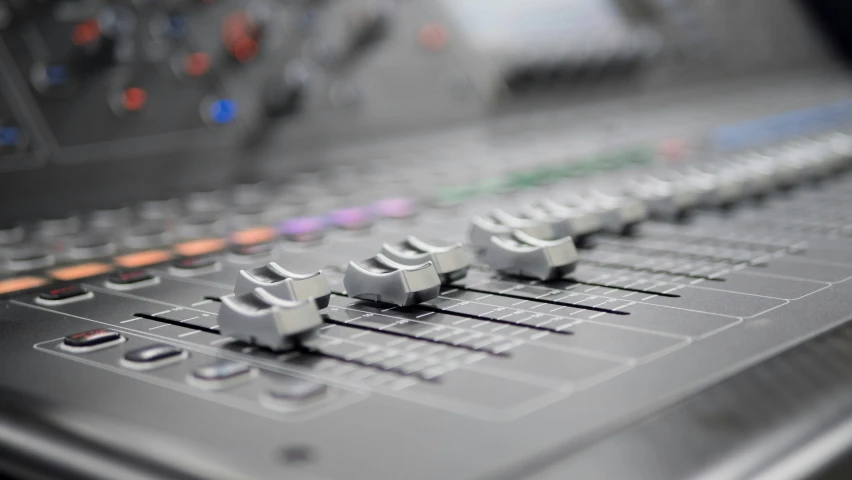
<point x="109" y="218"/>
<point x="10" y="234"/>
<point x="221" y="374"/>
<point x="223" y="370"/>
<point x="28" y="257"/>
<point x="57" y="227"/>
<point x="285" y="284"/>
<point x="382" y="280"/>
<point x="147" y="234"/>
<point x="90" y="245"/>
<point x="153" y="356"/>
<point x="260" y="318"/>
<point x="450" y="260"/>
<point x="289" y="393"/>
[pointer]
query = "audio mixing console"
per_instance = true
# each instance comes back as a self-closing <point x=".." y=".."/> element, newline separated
<point x="387" y="240"/>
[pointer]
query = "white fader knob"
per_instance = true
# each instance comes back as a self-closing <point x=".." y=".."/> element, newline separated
<point x="260" y="318"/>
<point x="500" y="223"/>
<point x="380" y="279"/>
<point x="285" y="284"/>
<point x="526" y="256"/>
<point x="450" y="260"/>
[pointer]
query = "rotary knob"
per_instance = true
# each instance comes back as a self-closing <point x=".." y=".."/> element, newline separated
<point x="526" y="256"/>
<point x="382" y="280"/>
<point x="260" y="318"/>
<point x="450" y="261"/>
<point x="284" y="284"/>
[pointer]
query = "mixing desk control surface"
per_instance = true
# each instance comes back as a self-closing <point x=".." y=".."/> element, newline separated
<point x="457" y="348"/>
<point x="421" y="240"/>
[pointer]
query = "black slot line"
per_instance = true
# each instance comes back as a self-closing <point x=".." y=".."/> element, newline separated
<point x="215" y="299"/>
<point x="592" y="284"/>
<point x="660" y="253"/>
<point x="766" y="247"/>
<point x="542" y="300"/>
<point x="413" y="337"/>
<point x="651" y="270"/>
<point x="628" y="289"/>
<point x="474" y="316"/>
<point x="340" y="358"/>
<point x="301" y="348"/>
<point x="177" y="323"/>
<point x="447" y="312"/>
<point x="788" y="225"/>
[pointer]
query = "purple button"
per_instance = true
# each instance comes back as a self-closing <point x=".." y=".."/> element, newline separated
<point x="355" y="218"/>
<point x="395" y="207"/>
<point x="302" y="229"/>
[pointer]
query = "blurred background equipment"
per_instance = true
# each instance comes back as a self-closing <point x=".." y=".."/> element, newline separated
<point x="425" y="238"/>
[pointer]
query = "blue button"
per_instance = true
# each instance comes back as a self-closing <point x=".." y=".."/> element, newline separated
<point x="176" y="26"/>
<point x="10" y="136"/>
<point x="56" y="74"/>
<point x="223" y="111"/>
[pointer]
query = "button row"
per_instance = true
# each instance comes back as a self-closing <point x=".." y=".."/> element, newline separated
<point x="287" y="393"/>
<point x="59" y="239"/>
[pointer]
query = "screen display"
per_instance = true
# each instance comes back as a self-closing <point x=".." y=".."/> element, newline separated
<point x="506" y="26"/>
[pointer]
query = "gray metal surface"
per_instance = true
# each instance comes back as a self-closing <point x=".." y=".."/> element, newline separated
<point x="620" y="369"/>
<point x="487" y="414"/>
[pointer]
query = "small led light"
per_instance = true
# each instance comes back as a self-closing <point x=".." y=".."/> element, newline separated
<point x="56" y="74"/>
<point x="85" y="32"/>
<point x="10" y="136"/>
<point x="133" y="99"/>
<point x="197" y="64"/>
<point x="222" y="111"/>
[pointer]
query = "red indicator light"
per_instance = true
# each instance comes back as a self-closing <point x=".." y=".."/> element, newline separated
<point x="244" y="49"/>
<point x="85" y="32"/>
<point x="433" y="37"/>
<point x="240" y="36"/>
<point x="133" y="99"/>
<point x="196" y="64"/>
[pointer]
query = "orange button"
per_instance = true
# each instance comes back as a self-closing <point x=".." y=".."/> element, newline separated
<point x="253" y="236"/>
<point x="200" y="247"/>
<point x="79" y="271"/>
<point x="143" y="258"/>
<point x="20" y="283"/>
